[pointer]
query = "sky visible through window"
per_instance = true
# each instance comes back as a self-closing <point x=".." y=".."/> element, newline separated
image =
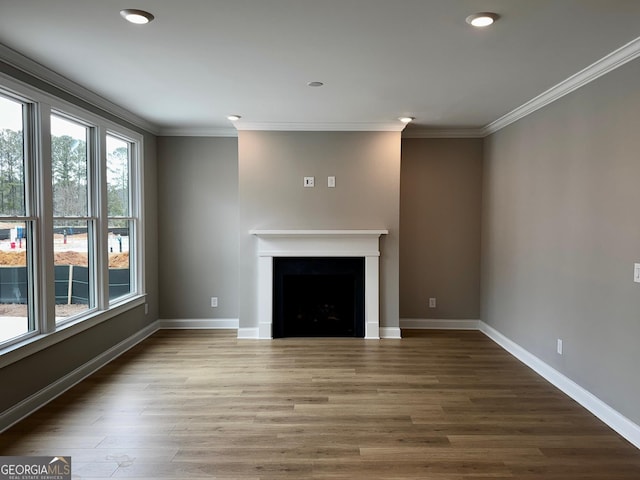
<point x="11" y="119"/>
<point x="10" y="116"/>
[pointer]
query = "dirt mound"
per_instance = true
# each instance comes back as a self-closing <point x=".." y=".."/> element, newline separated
<point x="119" y="260"/>
<point x="13" y="258"/>
<point x="76" y="259"/>
<point x="17" y="258"/>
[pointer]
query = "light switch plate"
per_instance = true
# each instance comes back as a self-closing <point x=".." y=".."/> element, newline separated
<point x="636" y="272"/>
<point x="309" y="181"/>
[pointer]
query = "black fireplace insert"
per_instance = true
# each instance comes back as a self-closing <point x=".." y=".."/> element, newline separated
<point x="318" y="297"/>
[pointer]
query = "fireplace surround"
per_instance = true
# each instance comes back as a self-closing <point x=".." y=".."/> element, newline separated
<point x="319" y="243"/>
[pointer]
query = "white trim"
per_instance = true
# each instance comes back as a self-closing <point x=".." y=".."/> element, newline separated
<point x="438" y="324"/>
<point x="17" y="351"/>
<point x="39" y="399"/>
<point x="199" y="323"/>
<point x="615" y="59"/>
<point x="316" y="233"/>
<point x="396" y="126"/>
<point x="604" y="412"/>
<point x="618" y="422"/>
<point x="198" y="132"/>
<point x="318" y="243"/>
<point x="30" y="67"/>
<point x="248" y="333"/>
<point x="390" y="332"/>
<point x="444" y="133"/>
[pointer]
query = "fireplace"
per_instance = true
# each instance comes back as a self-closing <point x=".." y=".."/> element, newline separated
<point x="318" y="297"/>
<point x="363" y="245"/>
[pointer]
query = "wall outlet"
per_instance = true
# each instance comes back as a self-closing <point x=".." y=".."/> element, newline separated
<point x="331" y="182"/>
<point x="309" y="181"/>
<point x="432" y="302"/>
<point x="214" y="301"/>
<point x="146" y="309"/>
<point x="559" y="346"/>
<point x="636" y="272"/>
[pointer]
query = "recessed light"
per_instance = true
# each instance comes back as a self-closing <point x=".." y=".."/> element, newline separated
<point x="406" y="119"/>
<point x="315" y="84"/>
<point x="234" y="118"/>
<point x="482" y="19"/>
<point x="139" y="17"/>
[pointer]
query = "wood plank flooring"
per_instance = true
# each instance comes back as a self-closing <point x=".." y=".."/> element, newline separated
<point x="434" y="405"/>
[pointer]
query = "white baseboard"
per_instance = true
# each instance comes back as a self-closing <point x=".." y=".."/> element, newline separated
<point x="199" y="323"/>
<point x="39" y="399"/>
<point x="604" y="412"/>
<point x="438" y="324"/>
<point x="390" y="332"/>
<point x="250" y="333"/>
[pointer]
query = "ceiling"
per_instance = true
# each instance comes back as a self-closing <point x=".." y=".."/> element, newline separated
<point x="201" y="60"/>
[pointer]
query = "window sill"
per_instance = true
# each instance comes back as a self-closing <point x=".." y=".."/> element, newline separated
<point x="18" y="351"/>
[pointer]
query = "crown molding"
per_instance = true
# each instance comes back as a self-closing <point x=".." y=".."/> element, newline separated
<point x="35" y="69"/>
<point x="443" y="133"/>
<point x="324" y="127"/>
<point x="198" y="132"/>
<point x="615" y="59"/>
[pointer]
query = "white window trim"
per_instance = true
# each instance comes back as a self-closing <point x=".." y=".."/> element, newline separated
<point x="47" y="333"/>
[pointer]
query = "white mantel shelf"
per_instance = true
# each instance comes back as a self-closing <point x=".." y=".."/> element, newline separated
<point x="313" y="233"/>
<point x="318" y="243"/>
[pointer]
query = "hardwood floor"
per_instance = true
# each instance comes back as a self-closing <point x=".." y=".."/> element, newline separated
<point x="434" y="405"/>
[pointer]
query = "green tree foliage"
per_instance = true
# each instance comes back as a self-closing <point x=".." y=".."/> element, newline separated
<point x="69" y="171"/>
<point x="11" y="173"/>
<point x="118" y="182"/>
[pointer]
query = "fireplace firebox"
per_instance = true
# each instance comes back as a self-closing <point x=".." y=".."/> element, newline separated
<point x="318" y="297"/>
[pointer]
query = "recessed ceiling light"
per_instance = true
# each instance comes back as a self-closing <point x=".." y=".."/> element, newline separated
<point x="406" y="119"/>
<point x="234" y="118"/>
<point x="482" y="19"/>
<point x="139" y="17"/>
<point x="315" y="84"/>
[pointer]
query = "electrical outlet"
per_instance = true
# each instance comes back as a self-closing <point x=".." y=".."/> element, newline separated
<point x="636" y="272"/>
<point x="214" y="301"/>
<point x="432" y="302"/>
<point x="146" y="309"/>
<point x="559" y="346"/>
<point x="331" y="182"/>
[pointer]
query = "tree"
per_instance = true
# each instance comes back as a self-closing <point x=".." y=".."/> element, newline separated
<point x="11" y="173"/>
<point x="69" y="172"/>
<point x="118" y="182"/>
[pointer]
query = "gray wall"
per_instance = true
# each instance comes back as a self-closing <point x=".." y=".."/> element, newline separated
<point x="440" y="203"/>
<point x="367" y="170"/>
<point x="21" y="379"/>
<point x="561" y="231"/>
<point x="198" y="228"/>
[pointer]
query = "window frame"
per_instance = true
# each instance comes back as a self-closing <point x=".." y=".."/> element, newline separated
<point x="40" y="106"/>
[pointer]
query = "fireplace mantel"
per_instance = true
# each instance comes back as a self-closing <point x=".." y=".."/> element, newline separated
<point x="316" y="233"/>
<point x="318" y="243"/>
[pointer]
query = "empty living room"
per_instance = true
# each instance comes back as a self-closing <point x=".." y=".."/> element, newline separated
<point x="285" y="239"/>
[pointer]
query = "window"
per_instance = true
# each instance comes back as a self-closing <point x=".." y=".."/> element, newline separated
<point x="121" y="226"/>
<point x="73" y="229"/>
<point x="16" y="319"/>
<point x="72" y="252"/>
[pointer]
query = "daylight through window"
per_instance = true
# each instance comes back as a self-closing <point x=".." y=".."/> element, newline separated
<point x="72" y="251"/>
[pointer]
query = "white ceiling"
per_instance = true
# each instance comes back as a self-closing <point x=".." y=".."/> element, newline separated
<point x="201" y="60"/>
